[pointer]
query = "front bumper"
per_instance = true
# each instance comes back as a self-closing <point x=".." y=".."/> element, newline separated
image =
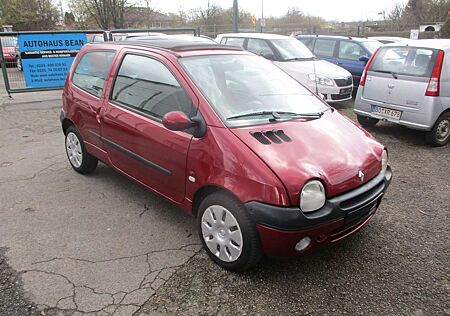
<point x="281" y="228"/>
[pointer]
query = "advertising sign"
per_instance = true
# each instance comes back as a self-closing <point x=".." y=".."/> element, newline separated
<point x="414" y="34"/>
<point x="46" y="58"/>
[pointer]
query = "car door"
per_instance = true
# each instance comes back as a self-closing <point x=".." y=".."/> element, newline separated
<point x="348" y="57"/>
<point x="146" y="87"/>
<point x="87" y="93"/>
<point x="324" y="48"/>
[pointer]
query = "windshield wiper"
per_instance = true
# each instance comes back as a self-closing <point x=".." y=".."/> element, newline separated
<point x="250" y="114"/>
<point x="388" y="72"/>
<point x="300" y="58"/>
<point x="279" y="115"/>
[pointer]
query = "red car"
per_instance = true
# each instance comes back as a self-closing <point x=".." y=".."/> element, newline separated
<point x="264" y="164"/>
<point x="9" y="44"/>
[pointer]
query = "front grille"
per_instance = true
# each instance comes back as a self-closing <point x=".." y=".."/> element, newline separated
<point x="340" y="96"/>
<point x="344" y="82"/>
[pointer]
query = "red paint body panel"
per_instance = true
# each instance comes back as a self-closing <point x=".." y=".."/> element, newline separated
<point x="331" y="148"/>
<point x="218" y="159"/>
<point x="277" y="242"/>
<point x="9" y="54"/>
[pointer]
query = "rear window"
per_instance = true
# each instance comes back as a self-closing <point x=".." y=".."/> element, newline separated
<point x="234" y="41"/>
<point x="371" y="46"/>
<point x="409" y="61"/>
<point x="91" y="71"/>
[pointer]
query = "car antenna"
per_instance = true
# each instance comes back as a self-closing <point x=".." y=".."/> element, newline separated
<point x="315" y="76"/>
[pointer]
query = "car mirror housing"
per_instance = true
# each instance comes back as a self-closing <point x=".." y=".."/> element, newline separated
<point x="364" y="58"/>
<point x="177" y="121"/>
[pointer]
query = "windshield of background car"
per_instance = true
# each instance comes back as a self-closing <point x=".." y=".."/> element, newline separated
<point x="291" y="48"/>
<point x="371" y="46"/>
<point x="9" y="41"/>
<point x="409" y="61"/>
<point x="240" y="84"/>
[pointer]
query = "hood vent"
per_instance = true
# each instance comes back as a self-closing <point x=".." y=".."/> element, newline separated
<point x="273" y="136"/>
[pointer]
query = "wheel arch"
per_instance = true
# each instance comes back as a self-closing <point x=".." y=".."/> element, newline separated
<point x="65" y="124"/>
<point x="205" y="191"/>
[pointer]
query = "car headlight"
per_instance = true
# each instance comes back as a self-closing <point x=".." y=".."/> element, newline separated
<point x="322" y="80"/>
<point x="312" y="196"/>
<point x="384" y="161"/>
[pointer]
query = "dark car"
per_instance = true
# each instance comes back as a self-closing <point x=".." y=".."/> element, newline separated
<point x="351" y="53"/>
<point x="264" y="164"/>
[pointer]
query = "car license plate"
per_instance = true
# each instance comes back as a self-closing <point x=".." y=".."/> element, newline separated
<point x="382" y="111"/>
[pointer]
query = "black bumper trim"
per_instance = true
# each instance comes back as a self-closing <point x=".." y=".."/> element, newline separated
<point x="292" y="218"/>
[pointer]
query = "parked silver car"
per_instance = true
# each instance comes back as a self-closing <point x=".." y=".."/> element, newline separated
<point x="333" y="82"/>
<point x="408" y="83"/>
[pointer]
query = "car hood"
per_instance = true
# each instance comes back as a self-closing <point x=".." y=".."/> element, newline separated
<point x="331" y="148"/>
<point x="322" y="67"/>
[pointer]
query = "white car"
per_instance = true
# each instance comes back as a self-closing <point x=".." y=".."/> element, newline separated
<point x="333" y="82"/>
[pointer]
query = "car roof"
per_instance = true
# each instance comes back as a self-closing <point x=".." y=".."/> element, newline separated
<point x="192" y="38"/>
<point x="178" y="47"/>
<point x="351" y="38"/>
<point x="426" y="43"/>
<point x="254" y="35"/>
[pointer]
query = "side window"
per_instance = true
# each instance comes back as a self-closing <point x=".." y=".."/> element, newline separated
<point x="146" y="85"/>
<point x="234" y="41"/>
<point x="324" y="47"/>
<point x="308" y="42"/>
<point x="260" y="47"/>
<point x="350" y="50"/>
<point x="91" y="71"/>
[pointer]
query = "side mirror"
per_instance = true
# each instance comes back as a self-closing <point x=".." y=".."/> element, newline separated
<point x="177" y="121"/>
<point x="364" y="59"/>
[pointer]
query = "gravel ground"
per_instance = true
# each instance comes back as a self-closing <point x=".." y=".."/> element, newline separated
<point x="398" y="265"/>
<point x="12" y="300"/>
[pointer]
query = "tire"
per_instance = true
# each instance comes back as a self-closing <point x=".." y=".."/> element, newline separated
<point x="367" y="121"/>
<point x="440" y="134"/>
<point x="236" y="249"/>
<point x="80" y="160"/>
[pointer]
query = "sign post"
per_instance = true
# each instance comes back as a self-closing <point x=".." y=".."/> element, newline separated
<point x="46" y="58"/>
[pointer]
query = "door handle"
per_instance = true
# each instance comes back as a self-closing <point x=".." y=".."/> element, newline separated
<point x="97" y="115"/>
<point x="391" y="86"/>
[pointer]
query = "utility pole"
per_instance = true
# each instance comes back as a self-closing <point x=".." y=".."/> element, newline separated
<point x="262" y="16"/>
<point x="235" y="16"/>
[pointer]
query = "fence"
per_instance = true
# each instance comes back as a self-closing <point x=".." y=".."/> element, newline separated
<point x="44" y="67"/>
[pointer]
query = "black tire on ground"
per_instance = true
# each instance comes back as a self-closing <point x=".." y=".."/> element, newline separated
<point x="251" y="247"/>
<point x="367" y="121"/>
<point x="88" y="162"/>
<point x="440" y="134"/>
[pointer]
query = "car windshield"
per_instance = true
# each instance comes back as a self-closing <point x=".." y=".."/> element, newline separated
<point x="371" y="46"/>
<point x="409" y="61"/>
<point x="9" y="41"/>
<point x="246" y="89"/>
<point x="291" y="49"/>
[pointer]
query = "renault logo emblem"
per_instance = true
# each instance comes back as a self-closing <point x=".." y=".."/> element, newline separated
<point x="361" y="175"/>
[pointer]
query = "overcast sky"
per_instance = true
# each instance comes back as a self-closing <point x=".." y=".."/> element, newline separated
<point x="340" y="10"/>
